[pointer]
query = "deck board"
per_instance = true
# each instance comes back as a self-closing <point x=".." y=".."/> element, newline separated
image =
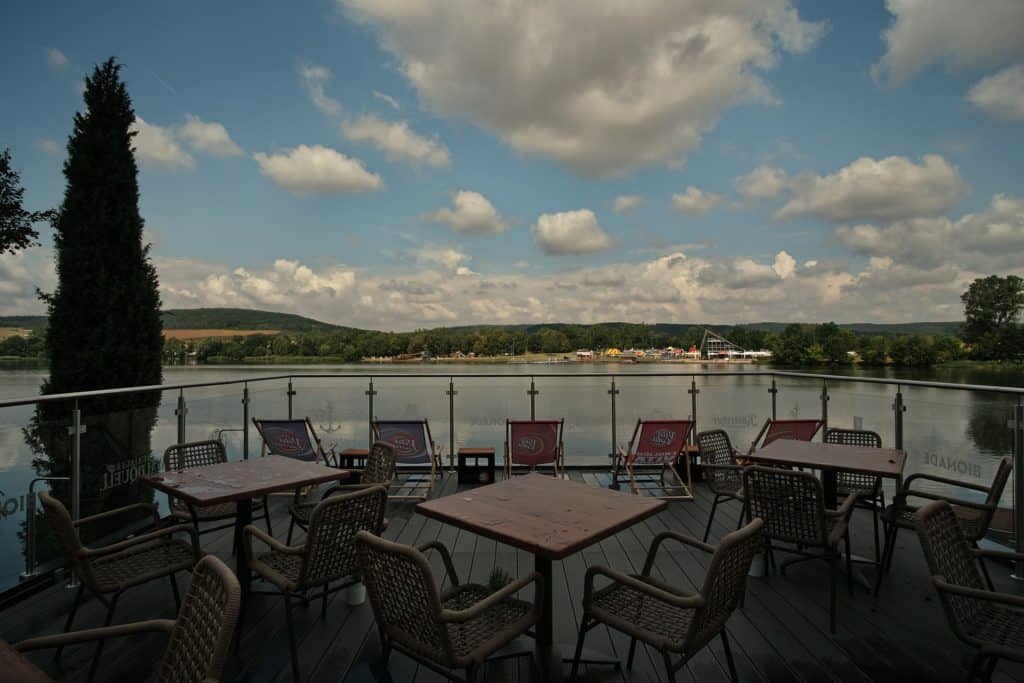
<point x="780" y="634"/>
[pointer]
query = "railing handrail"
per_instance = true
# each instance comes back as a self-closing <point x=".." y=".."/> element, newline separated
<point x="99" y="393"/>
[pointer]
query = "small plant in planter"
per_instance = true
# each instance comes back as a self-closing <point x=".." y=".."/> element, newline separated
<point x="499" y="579"/>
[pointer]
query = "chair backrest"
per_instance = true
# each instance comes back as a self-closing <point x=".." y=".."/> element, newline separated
<point x="725" y="581"/>
<point x="404" y="596"/>
<point x="67" y="536"/>
<point x="790" y="502"/>
<point x="716" y="449"/>
<point x="533" y="442"/>
<point x="949" y="558"/>
<point x="999" y="483"/>
<point x="380" y="464"/>
<point x="797" y="430"/>
<point x="856" y="437"/>
<point x="289" y="438"/>
<point x="658" y="442"/>
<point x="206" y="623"/>
<point x="411" y="439"/>
<point x="182" y="456"/>
<point x="330" y="551"/>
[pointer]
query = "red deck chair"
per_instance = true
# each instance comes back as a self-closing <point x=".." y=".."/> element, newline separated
<point x="414" y="449"/>
<point x="773" y="430"/>
<point x="655" y="447"/>
<point x="534" y="442"/>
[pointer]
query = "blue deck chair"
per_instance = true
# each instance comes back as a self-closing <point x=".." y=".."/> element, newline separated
<point x="415" y="449"/>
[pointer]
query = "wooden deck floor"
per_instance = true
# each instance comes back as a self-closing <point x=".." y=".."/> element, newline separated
<point x="780" y="635"/>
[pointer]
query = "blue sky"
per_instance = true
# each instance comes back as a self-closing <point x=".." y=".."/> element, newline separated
<point x="400" y="164"/>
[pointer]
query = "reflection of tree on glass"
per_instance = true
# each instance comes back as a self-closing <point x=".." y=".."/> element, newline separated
<point x="987" y="425"/>
<point x="104" y="317"/>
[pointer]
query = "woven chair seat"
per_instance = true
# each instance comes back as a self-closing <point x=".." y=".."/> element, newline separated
<point x="473" y="640"/>
<point x="142" y="563"/>
<point x="998" y="625"/>
<point x="280" y="569"/>
<point x="656" y="622"/>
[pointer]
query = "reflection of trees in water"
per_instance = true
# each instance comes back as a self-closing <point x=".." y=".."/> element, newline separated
<point x="987" y="424"/>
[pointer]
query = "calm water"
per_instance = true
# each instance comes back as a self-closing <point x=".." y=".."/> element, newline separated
<point x="952" y="433"/>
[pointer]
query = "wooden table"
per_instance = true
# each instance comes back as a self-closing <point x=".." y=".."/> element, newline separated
<point x="831" y="458"/>
<point x="14" y="668"/>
<point x="547" y="516"/>
<point x="240" y="482"/>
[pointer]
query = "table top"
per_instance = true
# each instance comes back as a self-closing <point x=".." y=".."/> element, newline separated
<point x="544" y="515"/>
<point x="232" y="481"/>
<point x="16" y="668"/>
<point x="355" y="452"/>
<point x="881" y="462"/>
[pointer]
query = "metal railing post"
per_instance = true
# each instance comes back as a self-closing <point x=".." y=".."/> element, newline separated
<point x="774" y="391"/>
<point x="533" y="400"/>
<point x="181" y="411"/>
<point x="76" y="473"/>
<point x="370" y="393"/>
<point x="824" y="409"/>
<point x="1018" y="486"/>
<point x="245" y="421"/>
<point x="693" y="391"/>
<point x="451" y="421"/>
<point x="30" y="525"/>
<point x="613" y="392"/>
<point x="291" y="393"/>
<point x="898" y="409"/>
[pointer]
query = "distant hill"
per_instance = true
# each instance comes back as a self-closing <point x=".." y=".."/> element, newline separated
<point x="245" y="319"/>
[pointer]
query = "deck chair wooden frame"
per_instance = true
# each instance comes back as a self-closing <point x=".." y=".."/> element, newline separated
<point x="547" y="433"/>
<point x="654" y="448"/>
<point x="415" y="448"/>
<point x="773" y="430"/>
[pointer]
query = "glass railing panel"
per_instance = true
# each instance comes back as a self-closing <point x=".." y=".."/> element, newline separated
<point x="736" y="403"/>
<point x="414" y="398"/>
<point x="337" y="407"/>
<point x="797" y="399"/>
<point x="584" y="404"/>
<point x="483" y="404"/>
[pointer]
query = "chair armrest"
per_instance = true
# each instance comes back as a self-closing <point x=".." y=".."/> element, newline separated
<point x="944" y="480"/>
<point x="976" y="594"/>
<point x="845" y="509"/>
<point x="984" y="507"/>
<point x="145" y="538"/>
<point x="464" y="615"/>
<point x="446" y="557"/>
<point x="152" y="508"/>
<point x="683" y="601"/>
<point x="90" y="634"/>
<point x="676" y="536"/>
<point x="250" y="531"/>
<point x="1008" y="555"/>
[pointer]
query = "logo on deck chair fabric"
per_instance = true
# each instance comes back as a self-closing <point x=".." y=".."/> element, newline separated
<point x="663" y="437"/>
<point x="405" y="444"/>
<point x="285" y="442"/>
<point x="530" y="443"/>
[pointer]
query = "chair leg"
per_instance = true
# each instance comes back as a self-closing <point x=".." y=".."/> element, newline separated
<point x="849" y="564"/>
<point x="632" y="654"/>
<point x="892" y="547"/>
<point x="728" y="656"/>
<point x="579" y="648"/>
<point x="471" y="671"/>
<point x="670" y="671"/>
<point x="174" y="590"/>
<point x="767" y="553"/>
<point x="291" y="637"/>
<point x="990" y="667"/>
<point x="887" y="552"/>
<point x="323" y="602"/>
<point x="833" y="562"/>
<point x="711" y="518"/>
<point x="291" y="528"/>
<point x="266" y="515"/>
<point x="99" y="646"/>
<point x="972" y="672"/>
<point x="71" y="617"/>
<point x="984" y="570"/>
<point x="876" y="506"/>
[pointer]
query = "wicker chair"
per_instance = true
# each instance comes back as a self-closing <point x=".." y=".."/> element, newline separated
<point x="380" y="469"/>
<point x="199" y="637"/>
<point x="183" y="456"/>
<point x="792" y="505"/>
<point x="974" y="517"/>
<point x="723" y="474"/>
<point x="110" y="570"/>
<point x="328" y="555"/>
<point x="982" y="618"/>
<point x="458" y="628"/>
<point x="867" y="487"/>
<point x="651" y="611"/>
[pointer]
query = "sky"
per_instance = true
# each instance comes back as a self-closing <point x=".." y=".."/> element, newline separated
<point x="400" y="164"/>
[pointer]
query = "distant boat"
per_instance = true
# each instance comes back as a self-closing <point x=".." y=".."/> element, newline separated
<point x="550" y="361"/>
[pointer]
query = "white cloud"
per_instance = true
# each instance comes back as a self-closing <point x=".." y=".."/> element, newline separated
<point x="764" y="182"/>
<point x="963" y="34"/>
<point x="626" y="203"/>
<point x="397" y="140"/>
<point x="208" y="137"/>
<point x="156" y="147"/>
<point x="447" y="257"/>
<point x="695" y="201"/>
<point x="57" y="59"/>
<point x="886" y="189"/>
<point x="570" y="232"/>
<point x="1001" y="95"/>
<point x="313" y="78"/>
<point x="387" y="99"/>
<point x="473" y="214"/>
<point x="317" y="169"/>
<point x="602" y="87"/>
<point x="47" y="145"/>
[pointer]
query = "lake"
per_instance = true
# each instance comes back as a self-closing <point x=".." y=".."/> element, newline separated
<point x="959" y="434"/>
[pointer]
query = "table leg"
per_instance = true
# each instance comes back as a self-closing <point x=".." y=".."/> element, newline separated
<point x="243" y="518"/>
<point x="831" y="485"/>
<point x="548" y="660"/>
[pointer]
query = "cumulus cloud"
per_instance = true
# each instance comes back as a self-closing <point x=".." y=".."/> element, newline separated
<point x="48" y="146"/>
<point x="695" y="201"/>
<point x="764" y="182"/>
<point x="156" y="147"/>
<point x="626" y="203"/>
<point x="313" y="79"/>
<point x="1001" y="95"/>
<point x="448" y="258"/>
<point x="886" y="189"/>
<point x="21" y="274"/>
<point x="602" y="87"/>
<point x="397" y="140"/>
<point x="962" y="34"/>
<point x="387" y="99"/>
<point x="472" y="213"/>
<point x="57" y="59"/>
<point x="208" y="137"/>
<point x="317" y="170"/>
<point x="570" y="232"/>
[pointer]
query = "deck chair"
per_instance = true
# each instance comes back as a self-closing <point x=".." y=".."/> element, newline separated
<point x="534" y="442"/>
<point x="654" y="448"/>
<point x="295" y="439"/>
<point x="773" y="430"/>
<point x="414" y="449"/>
